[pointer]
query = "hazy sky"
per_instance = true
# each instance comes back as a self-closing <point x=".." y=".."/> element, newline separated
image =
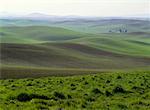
<point x="77" y="7"/>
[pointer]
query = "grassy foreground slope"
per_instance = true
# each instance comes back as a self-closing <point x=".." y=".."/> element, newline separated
<point x="114" y="91"/>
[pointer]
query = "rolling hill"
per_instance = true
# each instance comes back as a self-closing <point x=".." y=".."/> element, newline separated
<point x="125" y="43"/>
<point x="67" y="55"/>
<point x="35" y="34"/>
<point x="30" y="48"/>
<point x="82" y="24"/>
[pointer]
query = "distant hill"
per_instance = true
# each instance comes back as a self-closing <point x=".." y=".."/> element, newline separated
<point x="88" y="25"/>
<point x="36" y="34"/>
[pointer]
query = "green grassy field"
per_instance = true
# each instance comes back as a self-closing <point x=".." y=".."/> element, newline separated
<point x="74" y="65"/>
<point x="101" y="91"/>
<point x="56" y="47"/>
<point x="132" y="44"/>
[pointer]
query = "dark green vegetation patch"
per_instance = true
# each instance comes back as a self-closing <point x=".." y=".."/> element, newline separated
<point x="114" y="91"/>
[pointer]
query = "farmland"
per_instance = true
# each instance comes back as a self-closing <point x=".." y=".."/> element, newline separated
<point x="57" y="47"/>
<point x="74" y="64"/>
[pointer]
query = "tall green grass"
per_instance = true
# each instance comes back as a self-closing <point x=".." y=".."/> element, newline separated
<point x="102" y="91"/>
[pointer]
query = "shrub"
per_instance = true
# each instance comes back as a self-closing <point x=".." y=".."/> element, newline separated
<point x="85" y="83"/>
<point x="118" y="89"/>
<point x="130" y="82"/>
<point x="11" y="80"/>
<point x="29" y="84"/>
<point x="69" y="97"/>
<point x="93" y="78"/>
<point x="59" y="95"/>
<point x="37" y="82"/>
<point x="61" y="82"/>
<point x="23" y="97"/>
<point x="36" y="96"/>
<point x="123" y="107"/>
<point x="119" y="77"/>
<point x="91" y="99"/>
<point x="74" y="88"/>
<point x="96" y="91"/>
<point x="83" y="106"/>
<point x="85" y="94"/>
<point x="108" y="81"/>
<point x="30" y="79"/>
<point x="13" y="85"/>
<point x="72" y="84"/>
<point x="108" y="93"/>
<point x="60" y="109"/>
<point x="137" y="88"/>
